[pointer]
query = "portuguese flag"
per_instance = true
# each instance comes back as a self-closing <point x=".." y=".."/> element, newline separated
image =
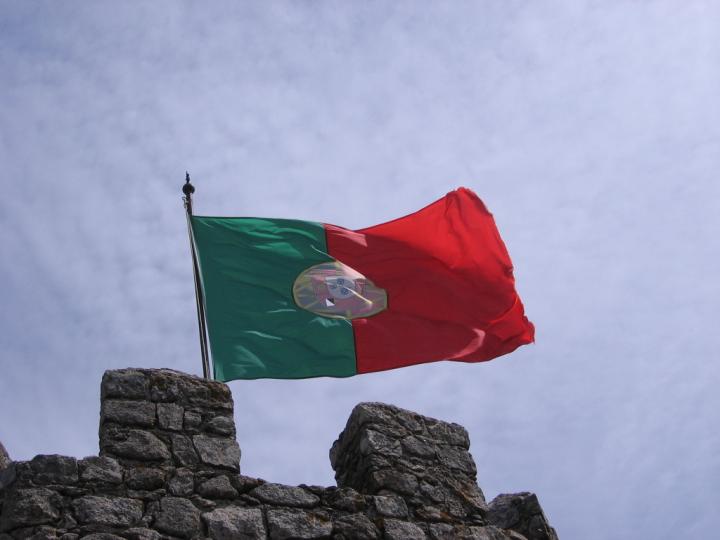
<point x="292" y="299"/>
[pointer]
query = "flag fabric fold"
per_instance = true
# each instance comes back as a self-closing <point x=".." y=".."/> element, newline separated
<point x="294" y="299"/>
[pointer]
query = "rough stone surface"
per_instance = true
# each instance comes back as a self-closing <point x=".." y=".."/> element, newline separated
<point x="441" y="531"/>
<point x="356" y="527"/>
<point x="178" y="517"/>
<point x="402" y="530"/>
<point x="222" y="425"/>
<point x="100" y="469"/>
<point x="170" y="416"/>
<point x="30" y="507"/>
<point x="182" y="484"/>
<point x="147" y="478"/>
<point x="285" y="495"/>
<point x="233" y="523"/>
<point x="183" y="451"/>
<point x="7" y="477"/>
<point x="4" y="457"/>
<point x="192" y="421"/>
<point x="295" y="523"/>
<point x="219" y="452"/>
<point x="141" y="533"/>
<point x="114" y="511"/>
<point x="391" y="506"/>
<point x="169" y="469"/>
<point x="54" y="469"/>
<point x="521" y="512"/>
<point x="167" y="385"/>
<point x="386" y="450"/>
<point x="346" y="499"/>
<point x="125" y="383"/>
<point x="128" y="413"/>
<point x="132" y="443"/>
<point x="217" y="488"/>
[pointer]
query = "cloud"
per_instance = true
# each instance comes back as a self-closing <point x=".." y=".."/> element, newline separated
<point x="590" y="130"/>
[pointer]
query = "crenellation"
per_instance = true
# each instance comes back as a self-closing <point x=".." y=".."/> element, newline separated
<point x="169" y="469"/>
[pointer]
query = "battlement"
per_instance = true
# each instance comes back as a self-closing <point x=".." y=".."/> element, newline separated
<point x="169" y="468"/>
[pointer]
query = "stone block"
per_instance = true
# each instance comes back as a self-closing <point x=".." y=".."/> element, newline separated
<point x="178" y="517"/>
<point x="245" y="484"/>
<point x="28" y="507"/>
<point x="356" y="527"/>
<point x="217" y="488"/>
<point x="393" y="480"/>
<point x="167" y="385"/>
<point x="447" y="433"/>
<point x="483" y="533"/>
<point x="375" y="442"/>
<point x="442" y="531"/>
<point x="111" y="511"/>
<point x="170" y="416"/>
<point x="132" y="443"/>
<point x="457" y="459"/>
<point x="345" y="499"/>
<point x="100" y="469"/>
<point x="221" y="425"/>
<point x="152" y="509"/>
<point x="402" y="530"/>
<point x="280" y="495"/>
<point x="192" y="421"/>
<point x="391" y="506"/>
<point x="182" y="484"/>
<point x="44" y="532"/>
<point x="125" y="384"/>
<point x="233" y="523"/>
<point x="128" y="413"/>
<point x="420" y="447"/>
<point x="141" y="533"/>
<point x="67" y="520"/>
<point x="184" y="452"/>
<point x="218" y="452"/>
<point x="287" y="523"/>
<point x="145" y="478"/>
<point x="54" y="469"/>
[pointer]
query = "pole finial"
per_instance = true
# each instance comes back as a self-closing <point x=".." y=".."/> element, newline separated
<point x="188" y="189"/>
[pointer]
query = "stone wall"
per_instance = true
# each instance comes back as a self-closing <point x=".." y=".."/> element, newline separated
<point x="169" y="468"/>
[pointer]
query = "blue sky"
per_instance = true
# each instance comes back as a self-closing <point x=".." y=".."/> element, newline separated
<point x="590" y="129"/>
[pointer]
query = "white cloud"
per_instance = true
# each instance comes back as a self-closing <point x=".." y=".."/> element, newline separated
<point x="590" y="129"/>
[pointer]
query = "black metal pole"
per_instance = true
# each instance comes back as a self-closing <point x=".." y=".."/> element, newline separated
<point x="188" y="189"/>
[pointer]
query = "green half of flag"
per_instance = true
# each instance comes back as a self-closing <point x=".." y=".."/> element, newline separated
<point x="256" y="329"/>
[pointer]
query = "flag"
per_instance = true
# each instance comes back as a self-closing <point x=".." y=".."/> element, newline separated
<point x="292" y="299"/>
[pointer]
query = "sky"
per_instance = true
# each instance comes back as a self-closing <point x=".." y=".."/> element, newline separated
<point x="590" y="129"/>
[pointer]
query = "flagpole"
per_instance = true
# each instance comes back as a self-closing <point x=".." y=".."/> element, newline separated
<point x="188" y="189"/>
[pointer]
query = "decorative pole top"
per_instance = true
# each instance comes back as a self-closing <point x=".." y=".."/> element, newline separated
<point x="188" y="189"/>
